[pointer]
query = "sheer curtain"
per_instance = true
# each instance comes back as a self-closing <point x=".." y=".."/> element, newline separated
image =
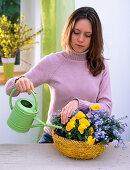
<point x="54" y="15"/>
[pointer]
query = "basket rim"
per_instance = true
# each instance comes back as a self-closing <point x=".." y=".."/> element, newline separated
<point x="70" y="141"/>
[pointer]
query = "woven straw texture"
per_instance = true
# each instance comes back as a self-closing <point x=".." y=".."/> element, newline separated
<point x="77" y="149"/>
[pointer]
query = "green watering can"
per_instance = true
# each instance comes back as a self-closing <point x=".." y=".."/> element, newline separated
<point x="24" y="113"/>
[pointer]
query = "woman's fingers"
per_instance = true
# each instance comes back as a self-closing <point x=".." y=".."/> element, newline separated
<point x="28" y="86"/>
<point x="65" y="114"/>
<point x="22" y="86"/>
<point x="32" y="87"/>
<point x="68" y="110"/>
<point x="25" y="85"/>
<point x="71" y="111"/>
<point x="18" y="87"/>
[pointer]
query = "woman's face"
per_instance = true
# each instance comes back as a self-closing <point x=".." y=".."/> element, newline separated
<point x="81" y="36"/>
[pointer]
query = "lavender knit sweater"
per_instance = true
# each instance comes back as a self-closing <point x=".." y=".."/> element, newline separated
<point x="68" y="77"/>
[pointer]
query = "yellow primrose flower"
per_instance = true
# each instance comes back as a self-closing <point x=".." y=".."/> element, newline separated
<point x="73" y="119"/>
<point x="91" y="131"/>
<point x="95" y="107"/>
<point x="80" y="115"/>
<point x="90" y="140"/>
<point x="85" y="122"/>
<point x="81" y="128"/>
<point x="70" y="125"/>
<point x="69" y="133"/>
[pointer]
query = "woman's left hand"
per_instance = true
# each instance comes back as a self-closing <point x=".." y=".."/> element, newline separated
<point x="67" y="111"/>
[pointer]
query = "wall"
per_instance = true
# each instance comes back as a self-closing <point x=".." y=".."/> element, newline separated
<point x="31" y="8"/>
<point x="115" y="20"/>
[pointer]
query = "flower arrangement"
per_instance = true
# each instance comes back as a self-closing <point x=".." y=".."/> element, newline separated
<point x="92" y="125"/>
<point x="15" y="36"/>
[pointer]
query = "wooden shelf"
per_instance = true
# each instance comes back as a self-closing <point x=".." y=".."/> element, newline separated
<point x="3" y="80"/>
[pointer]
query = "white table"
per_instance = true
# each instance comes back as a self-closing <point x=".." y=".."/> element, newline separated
<point x="46" y="156"/>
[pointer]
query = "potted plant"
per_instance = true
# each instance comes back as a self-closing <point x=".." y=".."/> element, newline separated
<point x="88" y="132"/>
<point x="13" y="38"/>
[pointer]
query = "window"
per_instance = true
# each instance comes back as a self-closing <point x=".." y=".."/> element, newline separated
<point x="10" y="8"/>
<point x="31" y="10"/>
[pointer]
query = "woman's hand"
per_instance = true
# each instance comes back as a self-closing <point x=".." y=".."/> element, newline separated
<point x="67" y="111"/>
<point x="23" y="84"/>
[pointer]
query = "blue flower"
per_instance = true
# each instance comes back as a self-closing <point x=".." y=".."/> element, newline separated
<point x="109" y="120"/>
<point x="103" y="113"/>
<point x="54" y="115"/>
<point x="107" y="139"/>
<point x="100" y="122"/>
<point x="124" y="147"/>
<point x="116" y="146"/>
<point x="112" y="116"/>
<point x="96" y="135"/>
<point x="89" y="115"/>
<point x="106" y="127"/>
<point x="120" y="141"/>
<point x="96" y="117"/>
<point x="114" y="126"/>
<point x="116" y="133"/>
<point x="85" y="111"/>
<point x="123" y="127"/>
<point x="106" y="146"/>
<point x="121" y="131"/>
<point x="96" y="125"/>
<point x="125" y="124"/>
<point x="103" y="134"/>
<point x="86" y="137"/>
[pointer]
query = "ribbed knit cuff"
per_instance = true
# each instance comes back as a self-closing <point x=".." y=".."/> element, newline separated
<point x="82" y="103"/>
<point x="10" y="85"/>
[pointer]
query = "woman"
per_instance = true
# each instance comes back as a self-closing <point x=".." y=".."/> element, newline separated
<point x="77" y="76"/>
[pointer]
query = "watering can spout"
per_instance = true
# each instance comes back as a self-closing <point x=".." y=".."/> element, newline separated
<point x="44" y="124"/>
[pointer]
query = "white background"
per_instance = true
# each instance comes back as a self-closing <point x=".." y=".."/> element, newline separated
<point x="115" y="20"/>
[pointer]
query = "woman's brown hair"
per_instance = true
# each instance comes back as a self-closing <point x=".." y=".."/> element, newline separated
<point x="94" y="56"/>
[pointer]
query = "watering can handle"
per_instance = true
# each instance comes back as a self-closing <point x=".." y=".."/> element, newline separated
<point x="11" y="94"/>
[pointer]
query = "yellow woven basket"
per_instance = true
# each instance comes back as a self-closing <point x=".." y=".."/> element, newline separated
<point x="77" y="149"/>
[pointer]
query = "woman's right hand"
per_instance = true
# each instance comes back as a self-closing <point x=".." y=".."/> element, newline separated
<point x="23" y="84"/>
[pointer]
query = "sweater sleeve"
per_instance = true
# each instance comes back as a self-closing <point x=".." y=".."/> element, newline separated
<point x="104" y="95"/>
<point x="39" y="74"/>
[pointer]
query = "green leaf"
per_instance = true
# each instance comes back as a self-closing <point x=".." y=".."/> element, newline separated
<point x="79" y="136"/>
